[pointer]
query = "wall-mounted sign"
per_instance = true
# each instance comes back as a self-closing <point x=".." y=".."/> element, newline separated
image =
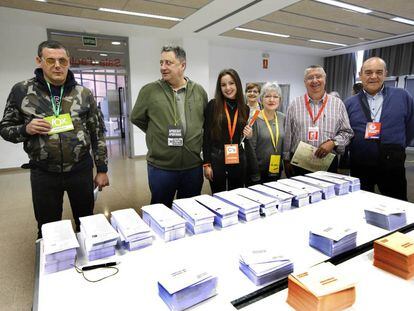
<point x="89" y="41"/>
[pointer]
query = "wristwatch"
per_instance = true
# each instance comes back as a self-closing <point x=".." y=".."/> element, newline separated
<point x="335" y="142"/>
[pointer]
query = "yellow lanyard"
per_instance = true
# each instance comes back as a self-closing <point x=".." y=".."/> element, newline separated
<point x="270" y="130"/>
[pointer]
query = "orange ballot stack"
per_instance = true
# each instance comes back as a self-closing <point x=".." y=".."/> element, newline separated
<point x="321" y="288"/>
<point x="395" y="254"/>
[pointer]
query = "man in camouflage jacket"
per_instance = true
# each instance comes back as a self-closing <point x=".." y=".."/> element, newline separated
<point x="62" y="161"/>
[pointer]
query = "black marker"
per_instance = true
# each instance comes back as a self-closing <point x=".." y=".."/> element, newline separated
<point x="102" y="265"/>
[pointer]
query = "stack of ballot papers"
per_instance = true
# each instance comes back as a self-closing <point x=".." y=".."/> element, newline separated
<point x="284" y="199"/>
<point x="327" y="188"/>
<point x="268" y="205"/>
<point x="321" y="288"/>
<point x="333" y="240"/>
<point x="354" y="182"/>
<point x="225" y="214"/>
<point x="186" y="287"/>
<point x="263" y="266"/>
<point x="97" y="237"/>
<point x="165" y="222"/>
<point x="199" y="219"/>
<point x="395" y="254"/>
<point x="248" y="209"/>
<point x="315" y="193"/>
<point x="341" y="185"/>
<point x="59" y="246"/>
<point x="133" y="231"/>
<point x="300" y="197"/>
<point x="388" y="217"/>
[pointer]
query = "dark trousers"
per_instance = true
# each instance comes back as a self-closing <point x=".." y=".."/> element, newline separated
<point x="47" y="195"/>
<point x="164" y="184"/>
<point x="227" y="177"/>
<point x="390" y="182"/>
<point x="333" y="168"/>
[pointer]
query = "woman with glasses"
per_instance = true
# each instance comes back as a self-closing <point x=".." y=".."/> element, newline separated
<point x="268" y="134"/>
<point x="225" y="124"/>
<point x="252" y="95"/>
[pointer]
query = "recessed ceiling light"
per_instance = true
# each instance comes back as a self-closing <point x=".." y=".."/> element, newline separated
<point x="403" y="20"/>
<point x="41" y="0"/>
<point x="116" y="43"/>
<point x="262" y="32"/>
<point x="103" y="54"/>
<point x="327" y="42"/>
<point x="346" y="6"/>
<point x="175" y="19"/>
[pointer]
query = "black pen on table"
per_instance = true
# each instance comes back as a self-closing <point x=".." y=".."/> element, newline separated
<point x="102" y="265"/>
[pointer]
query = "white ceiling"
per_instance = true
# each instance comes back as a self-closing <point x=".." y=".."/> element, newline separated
<point x="216" y="20"/>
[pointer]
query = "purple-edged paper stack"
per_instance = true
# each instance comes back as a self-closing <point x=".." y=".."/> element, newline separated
<point x="59" y="246"/>
<point x="97" y="237"/>
<point x="134" y="232"/>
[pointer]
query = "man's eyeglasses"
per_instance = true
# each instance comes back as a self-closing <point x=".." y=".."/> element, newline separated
<point x="317" y="77"/>
<point x="52" y="61"/>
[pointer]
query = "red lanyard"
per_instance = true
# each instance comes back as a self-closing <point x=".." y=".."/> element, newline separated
<point x="231" y="128"/>
<point x="308" y="107"/>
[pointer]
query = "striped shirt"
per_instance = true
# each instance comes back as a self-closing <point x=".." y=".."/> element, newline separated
<point x="333" y="124"/>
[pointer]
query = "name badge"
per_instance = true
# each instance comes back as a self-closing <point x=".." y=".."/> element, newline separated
<point x="60" y="124"/>
<point x="274" y="164"/>
<point x="313" y="133"/>
<point x="373" y="130"/>
<point x="175" y="136"/>
<point x="231" y="154"/>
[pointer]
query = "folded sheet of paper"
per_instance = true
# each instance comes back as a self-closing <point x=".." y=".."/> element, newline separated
<point x="305" y="158"/>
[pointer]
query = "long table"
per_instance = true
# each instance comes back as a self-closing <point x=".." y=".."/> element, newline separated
<point x="135" y="286"/>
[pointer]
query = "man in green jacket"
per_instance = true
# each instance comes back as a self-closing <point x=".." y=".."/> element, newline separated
<point x="171" y="113"/>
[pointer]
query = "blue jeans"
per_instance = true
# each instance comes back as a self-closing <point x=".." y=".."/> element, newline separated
<point x="164" y="184"/>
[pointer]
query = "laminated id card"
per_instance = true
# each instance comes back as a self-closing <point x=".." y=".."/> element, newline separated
<point x="313" y="133"/>
<point x="274" y="164"/>
<point x="175" y="136"/>
<point x="60" y="124"/>
<point x="373" y="130"/>
<point x="231" y="154"/>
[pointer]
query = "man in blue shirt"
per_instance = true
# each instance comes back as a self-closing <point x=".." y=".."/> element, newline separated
<point x="382" y="119"/>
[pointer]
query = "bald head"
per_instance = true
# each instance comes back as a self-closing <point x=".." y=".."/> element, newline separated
<point x="373" y="73"/>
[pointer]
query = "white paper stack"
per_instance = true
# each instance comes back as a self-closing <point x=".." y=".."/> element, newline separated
<point x="300" y="197"/>
<point x="248" y="209"/>
<point x="354" y="182"/>
<point x="186" y="287"/>
<point x="333" y="240"/>
<point x="59" y="246"/>
<point x="199" y="219"/>
<point x="315" y="193"/>
<point x="165" y="222"/>
<point x="97" y="237"/>
<point x="388" y="217"/>
<point x="284" y="198"/>
<point x="263" y="266"/>
<point x="328" y="189"/>
<point x="268" y="205"/>
<point x="341" y="185"/>
<point x="225" y="214"/>
<point x="133" y="231"/>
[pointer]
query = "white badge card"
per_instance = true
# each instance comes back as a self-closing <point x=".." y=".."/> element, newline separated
<point x="313" y="133"/>
<point x="175" y="136"/>
<point x="373" y="130"/>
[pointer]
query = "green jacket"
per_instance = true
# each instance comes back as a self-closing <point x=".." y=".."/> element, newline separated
<point x="153" y="113"/>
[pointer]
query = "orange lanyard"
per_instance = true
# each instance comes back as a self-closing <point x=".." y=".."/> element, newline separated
<point x="231" y="128"/>
<point x="308" y="107"/>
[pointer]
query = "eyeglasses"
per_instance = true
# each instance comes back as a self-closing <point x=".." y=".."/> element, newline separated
<point x="317" y="77"/>
<point x="271" y="97"/>
<point x="252" y="91"/>
<point x="52" y="61"/>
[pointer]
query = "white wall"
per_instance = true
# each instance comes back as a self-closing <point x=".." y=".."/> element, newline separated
<point x="21" y="32"/>
<point x="283" y="68"/>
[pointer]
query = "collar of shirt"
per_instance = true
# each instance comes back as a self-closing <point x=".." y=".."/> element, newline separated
<point x="374" y="97"/>
<point x="317" y="102"/>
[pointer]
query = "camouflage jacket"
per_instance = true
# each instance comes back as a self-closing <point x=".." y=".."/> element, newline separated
<point x="63" y="152"/>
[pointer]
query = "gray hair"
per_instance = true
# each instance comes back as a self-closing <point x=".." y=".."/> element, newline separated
<point x="269" y="87"/>
<point x="178" y="51"/>
<point x="312" y="67"/>
<point x="50" y="44"/>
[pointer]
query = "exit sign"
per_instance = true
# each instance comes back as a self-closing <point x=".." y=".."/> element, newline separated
<point x="89" y="41"/>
